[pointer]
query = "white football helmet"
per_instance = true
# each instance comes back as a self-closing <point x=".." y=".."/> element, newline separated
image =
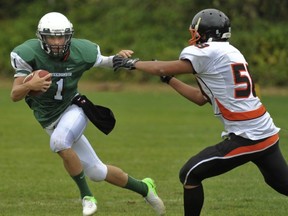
<point x="55" y="24"/>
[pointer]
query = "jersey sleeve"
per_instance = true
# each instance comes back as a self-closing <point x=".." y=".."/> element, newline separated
<point x="197" y="57"/>
<point x="103" y="61"/>
<point x="21" y="65"/>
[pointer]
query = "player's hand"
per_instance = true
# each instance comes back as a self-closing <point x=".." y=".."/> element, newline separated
<point x="166" y="79"/>
<point x="40" y="83"/>
<point x="125" y="53"/>
<point x="126" y="63"/>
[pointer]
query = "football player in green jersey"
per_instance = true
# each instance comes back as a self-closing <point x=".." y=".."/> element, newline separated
<point x="66" y="59"/>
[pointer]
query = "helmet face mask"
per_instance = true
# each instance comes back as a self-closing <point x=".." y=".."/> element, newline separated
<point x="209" y="25"/>
<point x="195" y="36"/>
<point x="55" y="32"/>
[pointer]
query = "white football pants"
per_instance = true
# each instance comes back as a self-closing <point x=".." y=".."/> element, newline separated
<point x="67" y="132"/>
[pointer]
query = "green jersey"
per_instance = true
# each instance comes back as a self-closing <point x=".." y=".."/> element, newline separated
<point x="29" y="56"/>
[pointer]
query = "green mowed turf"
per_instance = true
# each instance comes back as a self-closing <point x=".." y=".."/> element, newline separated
<point x="156" y="132"/>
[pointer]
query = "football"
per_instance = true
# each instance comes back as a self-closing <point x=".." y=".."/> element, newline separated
<point x="40" y="73"/>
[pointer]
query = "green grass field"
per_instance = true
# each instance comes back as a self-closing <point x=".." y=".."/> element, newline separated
<point x="156" y="132"/>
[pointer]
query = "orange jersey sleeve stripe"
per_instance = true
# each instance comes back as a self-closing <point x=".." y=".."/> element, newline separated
<point x="240" y="116"/>
<point x="254" y="148"/>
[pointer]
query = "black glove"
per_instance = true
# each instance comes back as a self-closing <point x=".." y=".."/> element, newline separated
<point x="121" y="62"/>
<point x="166" y="79"/>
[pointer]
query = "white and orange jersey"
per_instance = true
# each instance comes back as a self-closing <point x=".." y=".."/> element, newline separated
<point x="222" y="74"/>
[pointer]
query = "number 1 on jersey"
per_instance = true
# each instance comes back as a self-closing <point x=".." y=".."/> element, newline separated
<point x="58" y="95"/>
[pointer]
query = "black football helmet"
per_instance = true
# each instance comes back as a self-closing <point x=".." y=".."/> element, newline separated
<point x="209" y="25"/>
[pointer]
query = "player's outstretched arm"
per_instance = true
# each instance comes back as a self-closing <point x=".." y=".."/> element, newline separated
<point x="164" y="69"/>
<point x="161" y="68"/>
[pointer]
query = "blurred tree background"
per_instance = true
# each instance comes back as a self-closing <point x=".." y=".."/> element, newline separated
<point x="155" y="30"/>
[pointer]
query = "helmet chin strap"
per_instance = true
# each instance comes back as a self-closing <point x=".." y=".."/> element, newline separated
<point x="65" y="57"/>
